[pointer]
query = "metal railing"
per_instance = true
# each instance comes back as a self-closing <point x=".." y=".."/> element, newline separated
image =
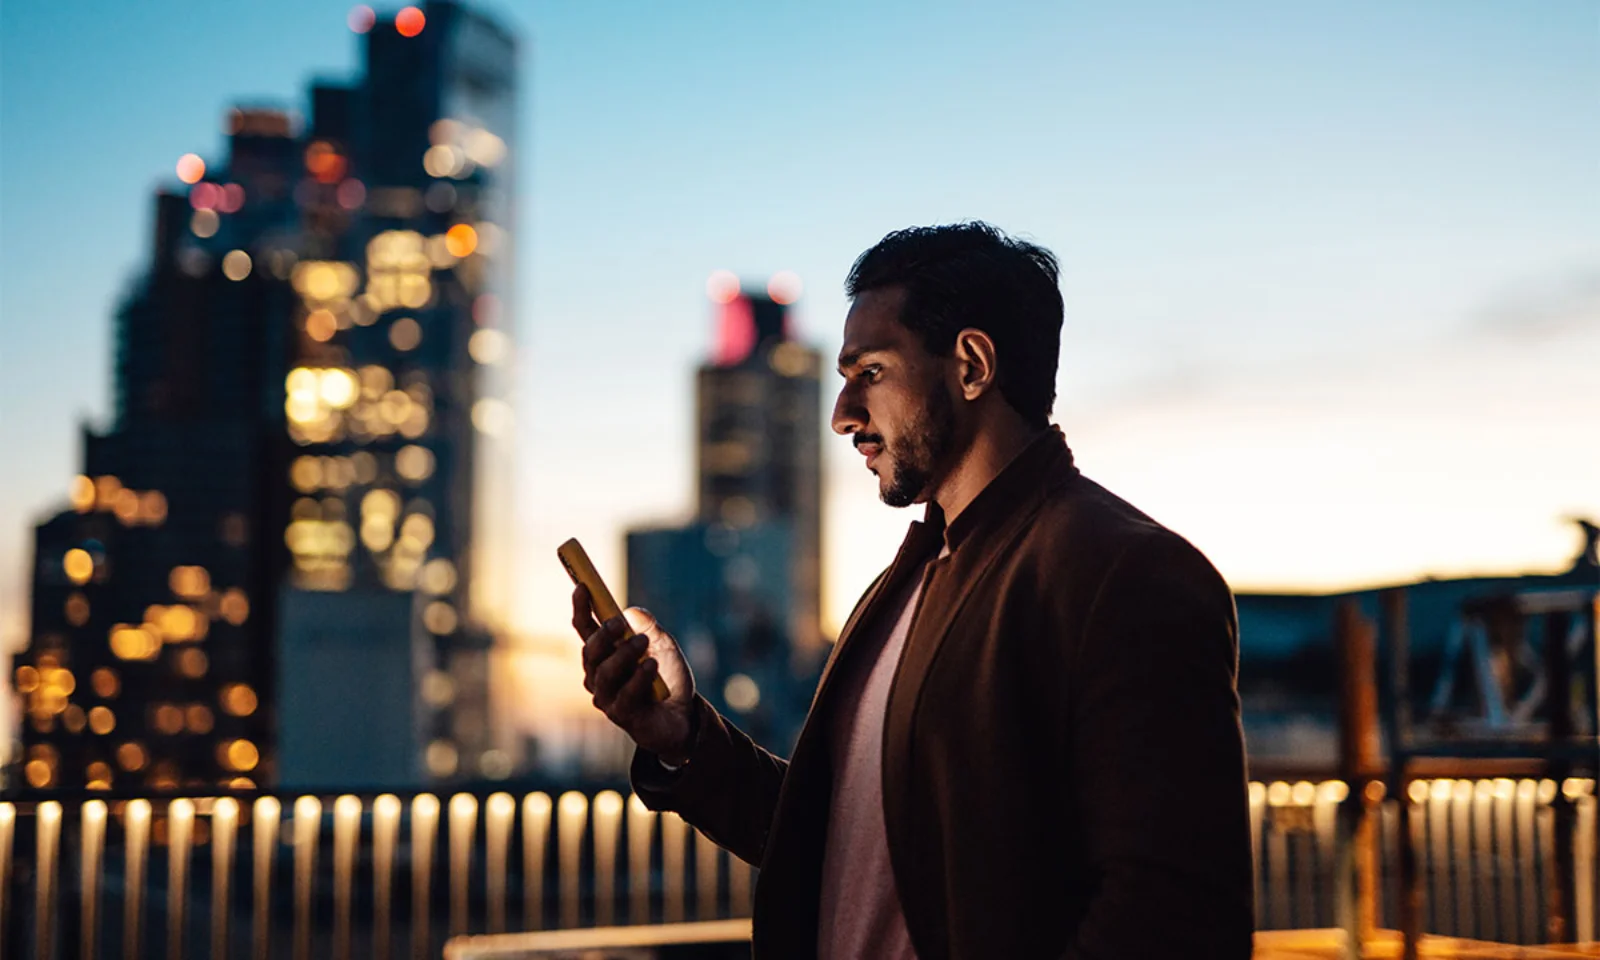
<point x="1485" y="854"/>
<point x="390" y="876"/>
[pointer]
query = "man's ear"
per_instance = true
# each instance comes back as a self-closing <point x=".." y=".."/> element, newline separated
<point x="976" y="365"/>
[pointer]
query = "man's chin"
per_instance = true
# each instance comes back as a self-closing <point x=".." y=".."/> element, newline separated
<point x="896" y="496"/>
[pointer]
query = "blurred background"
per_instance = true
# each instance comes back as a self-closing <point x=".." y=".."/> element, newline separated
<point x="324" y="326"/>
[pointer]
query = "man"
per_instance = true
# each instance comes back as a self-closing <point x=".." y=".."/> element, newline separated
<point x="1027" y="741"/>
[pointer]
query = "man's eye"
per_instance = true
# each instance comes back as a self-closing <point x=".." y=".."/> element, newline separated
<point x="872" y="373"/>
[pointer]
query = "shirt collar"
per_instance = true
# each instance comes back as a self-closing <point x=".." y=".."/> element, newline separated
<point x="1026" y="472"/>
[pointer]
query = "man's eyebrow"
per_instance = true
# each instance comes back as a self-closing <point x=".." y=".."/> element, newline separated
<point x="851" y="358"/>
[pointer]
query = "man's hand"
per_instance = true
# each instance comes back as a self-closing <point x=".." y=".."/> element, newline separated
<point x="621" y="674"/>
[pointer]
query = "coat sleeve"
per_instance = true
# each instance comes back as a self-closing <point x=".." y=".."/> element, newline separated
<point x="728" y="790"/>
<point x="1156" y="756"/>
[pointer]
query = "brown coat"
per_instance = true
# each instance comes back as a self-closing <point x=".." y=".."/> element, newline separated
<point x="1063" y="769"/>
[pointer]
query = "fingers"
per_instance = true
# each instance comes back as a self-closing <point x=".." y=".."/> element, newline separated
<point x="582" y="612"/>
<point x="599" y="646"/>
<point x="635" y="697"/>
<point x="617" y="670"/>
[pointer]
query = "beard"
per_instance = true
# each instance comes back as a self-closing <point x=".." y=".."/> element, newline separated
<point x="916" y="455"/>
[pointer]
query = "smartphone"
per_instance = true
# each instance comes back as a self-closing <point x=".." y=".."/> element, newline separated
<point x="581" y="570"/>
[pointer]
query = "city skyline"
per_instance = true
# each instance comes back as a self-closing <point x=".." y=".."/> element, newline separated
<point x="303" y="489"/>
<point x="1298" y="315"/>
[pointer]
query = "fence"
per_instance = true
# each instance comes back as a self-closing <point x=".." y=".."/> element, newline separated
<point x="391" y="876"/>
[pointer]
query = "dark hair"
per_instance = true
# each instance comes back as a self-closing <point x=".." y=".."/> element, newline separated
<point x="971" y="274"/>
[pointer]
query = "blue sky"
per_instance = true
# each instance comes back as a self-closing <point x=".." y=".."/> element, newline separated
<point x="1329" y="267"/>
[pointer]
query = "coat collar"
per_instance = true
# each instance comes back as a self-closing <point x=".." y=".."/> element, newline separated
<point x="1024" y="474"/>
<point x="1030" y="471"/>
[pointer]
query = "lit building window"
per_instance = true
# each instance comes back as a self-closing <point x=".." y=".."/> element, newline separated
<point x="197" y="717"/>
<point x="204" y="223"/>
<point x="193" y="663"/>
<point x="104" y="683"/>
<point x="40" y="773"/>
<point x="442" y="758"/>
<point x="82" y="494"/>
<point x="234" y="606"/>
<point x="77" y="609"/>
<point x="492" y="416"/>
<point x="405" y="334"/>
<point x="236" y="265"/>
<point x="191" y="583"/>
<point x="237" y="700"/>
<point x="134" y="643"/>
<point x="439" y="617"/>
<point x="73" y="718"/>
<point x="78" y="565"/>
<point x="167" y="718"/>
<point x="105" y="491"/>
<point x="321" y="325"/>
<point x="488" y="347"/>
<point x="126" y="506"/>
<point x="438" y="690"/>
<point x="484" y="148"/>
<point x="438" y="576"/>
<point x="442" y="160"/>
<point x="153" y="508"/>
<point x="461" y="240"/>
<point x="414" y="463"/>
<point x="306" y="474"/>
<point x="240" y="755"/>
<point x="102" y="720"/>
<point x="132" y="756"/>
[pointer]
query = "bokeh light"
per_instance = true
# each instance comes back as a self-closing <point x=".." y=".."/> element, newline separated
<point x="236" y="265"/>
<point x="405" y="334"/>
<point x="409" y="22"/>
<point x="488" y="347"/>
<point x="204" y="223"/>
<point x="237" y="700"/>
<point x="361" y="18"/>
<point x="78" y="565"/>
<point x="352" y="193"/>
<point x="461" y="240"/>
<point x="784" y="287"/>
<point x="191" y="168"/>
<point x="321" y="325"/>
<point x="722" y="286"/>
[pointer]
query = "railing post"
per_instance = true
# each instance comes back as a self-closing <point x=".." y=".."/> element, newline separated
<point x="1558" y="702"/>
<point x="1355" y="908"/>
<point x="1398" y="726"/>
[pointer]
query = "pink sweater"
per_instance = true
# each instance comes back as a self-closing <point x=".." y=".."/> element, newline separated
<point x="861" y="915"/>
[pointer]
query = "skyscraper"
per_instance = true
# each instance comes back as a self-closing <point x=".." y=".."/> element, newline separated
<point x="742" y="583"/>
<point x="285" y="559"/>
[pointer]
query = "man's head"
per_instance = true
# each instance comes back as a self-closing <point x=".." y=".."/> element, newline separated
<point x="951" y="328"/>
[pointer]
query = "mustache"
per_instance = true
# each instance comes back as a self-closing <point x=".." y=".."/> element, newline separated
<point x="860" y="438"/>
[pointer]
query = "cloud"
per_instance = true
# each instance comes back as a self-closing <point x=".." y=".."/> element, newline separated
<point x="1546" y="309"/>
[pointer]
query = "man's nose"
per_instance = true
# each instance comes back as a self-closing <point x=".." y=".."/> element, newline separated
<point x="848" y="415"/>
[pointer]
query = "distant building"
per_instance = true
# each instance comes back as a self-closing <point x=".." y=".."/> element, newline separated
<point x="1288" y="670"/>
<point x="742" y="584"/>
<point x="293" y="535"/>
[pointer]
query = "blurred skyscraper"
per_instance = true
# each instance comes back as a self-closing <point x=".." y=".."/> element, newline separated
<point x="286" y="558"/>
<point x="741" y="585"/>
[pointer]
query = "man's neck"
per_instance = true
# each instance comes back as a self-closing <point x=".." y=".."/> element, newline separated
<point x="993" y="447"/>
